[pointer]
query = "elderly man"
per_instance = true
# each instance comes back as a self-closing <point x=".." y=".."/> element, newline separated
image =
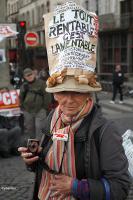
<point x="80" y="154"/>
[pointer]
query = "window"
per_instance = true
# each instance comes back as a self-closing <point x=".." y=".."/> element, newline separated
<point x="39" y="37"/>
<point x="124" y="68"/>
<point x="17" y="6"/>
<point x="42" y="37"/>
<point x="38" y="14"/>
<point x="42" y="9"/>
<point x="48" y="6"/>
<point x="124" y="7"/>
<point x="117" y="55"/>
<point x="105" y="56"/>
<point x="116" y="40"/>
<point x="124" y="40"/>
<point x="28" y="18"/>
<point x="123" y="55"/>
<point x="33" y="17"/>
<point x="8" y="9"/>
<point x="86" y="4"/>
<point x="42" y="12"/>
<point x="23" y="16"/>
<point x="110" y="41"/>
<point x="110" y="55"/>
<point x="113" y="50"/>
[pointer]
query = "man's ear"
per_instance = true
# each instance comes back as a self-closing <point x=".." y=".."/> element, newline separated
<point x="55" y="96"/>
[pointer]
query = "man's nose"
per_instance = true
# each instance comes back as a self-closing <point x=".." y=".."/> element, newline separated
<point x="69" y="97"/>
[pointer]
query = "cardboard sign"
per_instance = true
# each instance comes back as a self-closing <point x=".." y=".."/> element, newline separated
<point x="71" y="39"/>
<point x="128" y="147"/>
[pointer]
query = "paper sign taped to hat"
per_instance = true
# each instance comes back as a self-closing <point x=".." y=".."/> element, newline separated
<point x="71" y="39"/>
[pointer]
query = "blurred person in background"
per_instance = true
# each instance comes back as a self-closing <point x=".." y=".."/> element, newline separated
<point x="34" y="103"/>
<point x="118" y="80"/>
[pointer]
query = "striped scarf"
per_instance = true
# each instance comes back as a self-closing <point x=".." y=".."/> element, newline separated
<point x="55" y="155"/>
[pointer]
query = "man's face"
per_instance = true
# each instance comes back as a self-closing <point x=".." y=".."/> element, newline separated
<point x="118" y="68"/>
<point x="71" y="102"/>
<point x="29" y="77"/>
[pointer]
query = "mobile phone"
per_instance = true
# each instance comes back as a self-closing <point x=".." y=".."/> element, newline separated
<point x="33" y="146"/>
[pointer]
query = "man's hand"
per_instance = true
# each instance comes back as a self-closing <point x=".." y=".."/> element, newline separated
<point x="61" y="186"/>
<point x="28" y="157"/>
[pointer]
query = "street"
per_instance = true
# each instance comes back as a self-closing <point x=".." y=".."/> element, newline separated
<point x="16" y="183"/>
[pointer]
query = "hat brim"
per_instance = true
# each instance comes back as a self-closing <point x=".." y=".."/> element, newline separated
<point x="70" y="84"/>
<point x="28" y="74"/>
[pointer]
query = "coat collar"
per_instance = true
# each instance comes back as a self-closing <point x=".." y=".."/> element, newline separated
<point x="92" y="121"/>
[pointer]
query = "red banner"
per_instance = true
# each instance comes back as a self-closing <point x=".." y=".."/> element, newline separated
<point x="9" y="103"/>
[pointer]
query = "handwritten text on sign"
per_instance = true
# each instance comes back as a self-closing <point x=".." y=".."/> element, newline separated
<point x="71" y="38"/>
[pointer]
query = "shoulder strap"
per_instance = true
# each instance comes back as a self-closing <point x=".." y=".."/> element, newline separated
<point x="26" y="89"/>
<point x="46" y="140"/>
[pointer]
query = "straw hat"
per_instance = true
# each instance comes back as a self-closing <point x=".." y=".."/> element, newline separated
<point x="71" y="39"/>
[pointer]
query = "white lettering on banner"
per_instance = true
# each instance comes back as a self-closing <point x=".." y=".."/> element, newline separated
<point x="13" y="97"/>
<point x="9" y="103"/>
<point x="9" y="98"/>
<point x="6" y="98"/>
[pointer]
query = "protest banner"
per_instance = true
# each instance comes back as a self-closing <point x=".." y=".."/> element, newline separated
<point x="9" y="103"/>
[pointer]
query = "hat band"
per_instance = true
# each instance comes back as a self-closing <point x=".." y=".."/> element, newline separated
<point x="86" y="79"/>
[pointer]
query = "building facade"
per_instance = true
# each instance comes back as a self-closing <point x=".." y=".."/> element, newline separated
<point x="115" y="34"/>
